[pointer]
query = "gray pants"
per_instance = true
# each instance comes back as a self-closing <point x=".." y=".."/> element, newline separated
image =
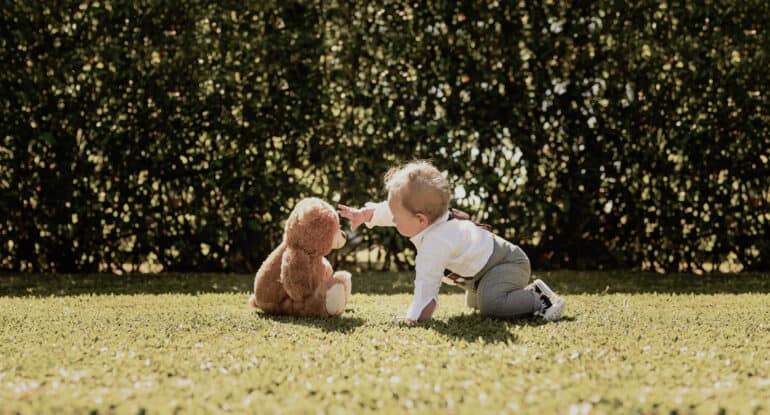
<point x="498" y="289"/>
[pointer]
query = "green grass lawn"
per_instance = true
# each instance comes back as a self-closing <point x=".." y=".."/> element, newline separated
<point x="630" y="343"/>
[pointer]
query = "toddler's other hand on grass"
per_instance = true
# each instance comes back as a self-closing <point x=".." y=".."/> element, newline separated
<point x="403" y="321"/>
<point x="356" y="216"/>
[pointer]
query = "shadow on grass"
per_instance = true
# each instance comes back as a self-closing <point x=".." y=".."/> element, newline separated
<point x="611" y="282"/>
<point x="373" y="283"/>
<point x="584" y="282"/>
<point x="472" y="327"/>
<point x="343" y="324"/>
<point x="475" y="328"/>
<point x="45" y="285"/>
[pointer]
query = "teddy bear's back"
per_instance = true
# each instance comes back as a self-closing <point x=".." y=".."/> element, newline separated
<point x="268" y="288"/>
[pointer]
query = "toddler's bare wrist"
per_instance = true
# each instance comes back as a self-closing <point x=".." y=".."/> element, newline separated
<point x="368" y="214"/>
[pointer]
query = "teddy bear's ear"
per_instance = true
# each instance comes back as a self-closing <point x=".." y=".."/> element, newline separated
<point x="297" y="274"/>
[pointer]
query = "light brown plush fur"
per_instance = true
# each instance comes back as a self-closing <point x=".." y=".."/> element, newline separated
<point x="296" y="279"/>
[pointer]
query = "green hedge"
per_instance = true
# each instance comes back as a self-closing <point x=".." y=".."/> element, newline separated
<point x="595" y="134"/>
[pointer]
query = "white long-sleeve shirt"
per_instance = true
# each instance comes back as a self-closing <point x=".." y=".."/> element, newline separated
<point x="457" y="245"/>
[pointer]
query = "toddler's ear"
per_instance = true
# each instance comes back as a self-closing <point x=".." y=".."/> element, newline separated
<point x="423" y="219"/>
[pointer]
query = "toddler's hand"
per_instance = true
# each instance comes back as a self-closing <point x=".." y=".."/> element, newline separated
<point x="356" y="216"/>
<point x="403" y="321"/>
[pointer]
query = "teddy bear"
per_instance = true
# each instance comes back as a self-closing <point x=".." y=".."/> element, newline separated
<point x="296" y="279"/>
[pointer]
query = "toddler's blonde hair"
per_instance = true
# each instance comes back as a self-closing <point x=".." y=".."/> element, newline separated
<point x="420" y="187"/>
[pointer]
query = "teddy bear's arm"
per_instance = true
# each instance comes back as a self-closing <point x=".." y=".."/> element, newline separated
<point x="299" y="274"/>
<point x="326" y="268"/>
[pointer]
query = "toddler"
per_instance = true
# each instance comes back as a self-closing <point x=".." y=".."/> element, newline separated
<point x="493" y="271"/>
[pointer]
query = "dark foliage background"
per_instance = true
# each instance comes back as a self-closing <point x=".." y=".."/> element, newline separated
<point x="595" y="134"/>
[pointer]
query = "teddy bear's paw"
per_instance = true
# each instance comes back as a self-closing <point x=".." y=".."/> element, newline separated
<point x="344" y="276"/>
<point x="335" y="300"/>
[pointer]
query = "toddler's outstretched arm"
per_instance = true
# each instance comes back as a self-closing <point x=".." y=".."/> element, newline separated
<point x="356" y="216"/>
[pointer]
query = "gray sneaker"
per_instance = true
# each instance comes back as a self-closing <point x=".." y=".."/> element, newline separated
<point x="553" y="313"/>
<point x="552" y="305"/>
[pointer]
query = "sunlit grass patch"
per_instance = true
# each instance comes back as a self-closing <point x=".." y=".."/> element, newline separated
<point x="136" y="344"/>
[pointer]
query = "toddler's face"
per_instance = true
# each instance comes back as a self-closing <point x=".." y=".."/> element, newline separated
<point x="407" y="223"/>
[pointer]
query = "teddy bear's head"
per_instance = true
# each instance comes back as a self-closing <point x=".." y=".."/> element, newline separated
<point x="314" y="227"/>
